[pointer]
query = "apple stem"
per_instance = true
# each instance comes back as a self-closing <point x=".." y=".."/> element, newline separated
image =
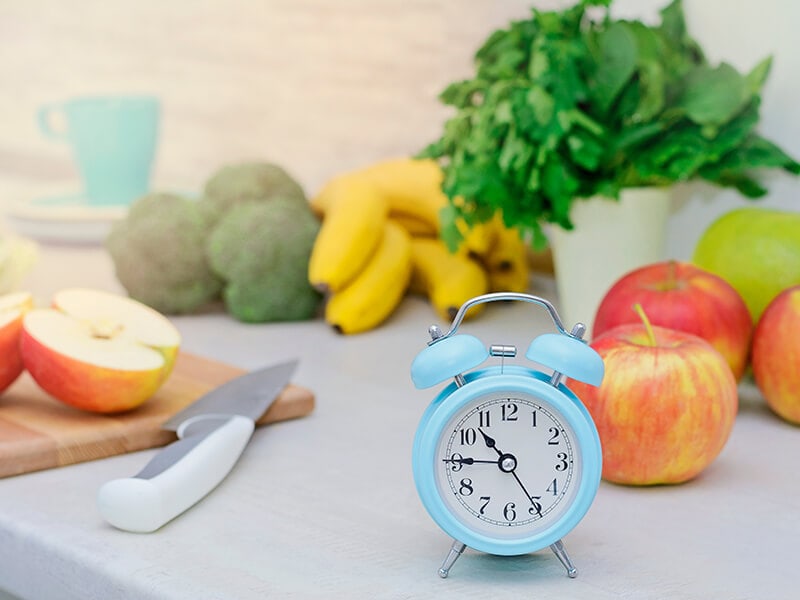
<point x="672" y="269"/>
<point x="651" y="336"/>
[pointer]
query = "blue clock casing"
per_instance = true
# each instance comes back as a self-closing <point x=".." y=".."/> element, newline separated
<point x="506" y="459"/>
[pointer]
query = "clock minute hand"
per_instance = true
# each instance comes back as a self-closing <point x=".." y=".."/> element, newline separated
<point x="537" y="507"/>
<point x="508" y="464"/>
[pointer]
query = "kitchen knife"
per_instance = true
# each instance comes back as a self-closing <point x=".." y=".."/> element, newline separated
<point x="212" y="433"/>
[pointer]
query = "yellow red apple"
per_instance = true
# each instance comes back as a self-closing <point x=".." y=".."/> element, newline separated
<point x="665" y="408"/>
<point x="776" y="354"/>
<point x="682" y="296"/>
<point x="98" y="351"/>
<point x="13" y="307"/>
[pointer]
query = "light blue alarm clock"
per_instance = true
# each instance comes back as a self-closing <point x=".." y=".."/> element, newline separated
<point x="506" y="458"/>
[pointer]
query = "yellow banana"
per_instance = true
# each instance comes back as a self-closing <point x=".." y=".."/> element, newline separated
<point x="413" y="225"/>
<point x="447" y="279"/>
<point x="333" y="189"/>
<point x="513" y="278"/>
<point x="480" y="238"/>
<point x="411" y="186"/>
<point x="377" y="290"/>
<point x="506" y="261"/>
<point x="508" y="248"/>
<point x="355" y="215"/>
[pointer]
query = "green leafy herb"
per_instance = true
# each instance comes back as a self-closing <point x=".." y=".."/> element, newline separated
<point x="564" y="107"/>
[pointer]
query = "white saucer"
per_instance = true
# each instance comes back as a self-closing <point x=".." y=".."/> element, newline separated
<point x="67" y="218"/>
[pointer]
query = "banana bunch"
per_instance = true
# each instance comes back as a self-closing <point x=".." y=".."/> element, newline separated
<point x="379" y="239"/>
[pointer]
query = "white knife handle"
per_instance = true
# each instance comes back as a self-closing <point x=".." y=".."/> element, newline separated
<point x="144" y="505"/>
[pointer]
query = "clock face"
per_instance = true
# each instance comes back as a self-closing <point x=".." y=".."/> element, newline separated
<point x="507" y="465"/>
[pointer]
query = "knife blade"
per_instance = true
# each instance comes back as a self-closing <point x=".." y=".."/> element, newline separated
<point x="212" y="433"/>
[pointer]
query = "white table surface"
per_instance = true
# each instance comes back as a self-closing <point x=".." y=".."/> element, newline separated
<point x="325" y="506"/>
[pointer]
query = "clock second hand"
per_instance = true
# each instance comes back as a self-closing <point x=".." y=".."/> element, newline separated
<point x="509" y="466"/>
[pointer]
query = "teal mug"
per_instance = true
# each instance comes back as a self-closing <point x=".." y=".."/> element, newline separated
<point x="113" y="139"/>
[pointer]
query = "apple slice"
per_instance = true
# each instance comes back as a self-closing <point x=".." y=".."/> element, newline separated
<point x="12" y="309"/>
<point x="98" y="351"/>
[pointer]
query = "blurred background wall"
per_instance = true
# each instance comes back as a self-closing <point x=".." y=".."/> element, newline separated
<point x="320" y="86"/>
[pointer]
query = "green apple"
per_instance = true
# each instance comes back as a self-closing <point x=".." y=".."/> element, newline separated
<point x="756" y="250"/>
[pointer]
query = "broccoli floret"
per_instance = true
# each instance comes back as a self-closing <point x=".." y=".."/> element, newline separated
<point x="248" y="181"/>
<point x="261" y="251"/>
<point x="158" y="254"/>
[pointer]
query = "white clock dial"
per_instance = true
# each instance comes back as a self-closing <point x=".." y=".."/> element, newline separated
<point x="507" y="465"/>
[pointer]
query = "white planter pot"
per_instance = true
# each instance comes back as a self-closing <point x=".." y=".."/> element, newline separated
<point x="610" y="238"/>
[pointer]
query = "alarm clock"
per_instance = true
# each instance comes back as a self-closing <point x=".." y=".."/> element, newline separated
<point x="506" y="459"/>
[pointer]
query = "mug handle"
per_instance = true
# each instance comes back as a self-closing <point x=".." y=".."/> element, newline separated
<point x="43" y="116"/>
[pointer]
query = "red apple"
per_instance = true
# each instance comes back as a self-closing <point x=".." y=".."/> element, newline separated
<point x="665" y="408"/>
<point x="682" y="296"/>
<point x="98" y="351"/>
<point x="776" y="354"/>
<point x="12" y="309"/>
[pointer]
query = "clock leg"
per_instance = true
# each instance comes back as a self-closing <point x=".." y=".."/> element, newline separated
<point x="455" y="551"/>
<point x="561" y="553"/>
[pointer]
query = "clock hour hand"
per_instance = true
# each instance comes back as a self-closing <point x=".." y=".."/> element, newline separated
<point x="466" y="460"/>
<point x="490" y="443"/>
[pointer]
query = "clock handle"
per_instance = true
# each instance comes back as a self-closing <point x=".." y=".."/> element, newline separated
<point x="580" y="328"/>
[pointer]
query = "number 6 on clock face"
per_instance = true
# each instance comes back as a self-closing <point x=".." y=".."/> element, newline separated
<point x="506" y="459"/>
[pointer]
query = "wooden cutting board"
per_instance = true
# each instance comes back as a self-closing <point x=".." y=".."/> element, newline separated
<point x="38" y="432"/>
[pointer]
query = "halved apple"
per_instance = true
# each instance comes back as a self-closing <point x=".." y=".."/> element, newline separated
<point x="12" y="309"/>
<point x="98" y="351"/>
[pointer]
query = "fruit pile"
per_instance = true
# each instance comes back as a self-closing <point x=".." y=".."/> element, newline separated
<point x="757" y="251"/>
<point x="87" y="343"/>
<point x="379" y="240"/>
<point x="676" y="339"/>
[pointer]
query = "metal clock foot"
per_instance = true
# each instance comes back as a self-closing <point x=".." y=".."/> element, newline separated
<point x="455" y="551"/>
<point x="561" y="553"/>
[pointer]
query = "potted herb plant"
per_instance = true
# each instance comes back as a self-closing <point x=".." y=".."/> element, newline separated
<point x="573" y="105"/>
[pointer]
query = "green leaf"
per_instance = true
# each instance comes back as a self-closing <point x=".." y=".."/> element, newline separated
<point x="755" y="153"/>
<point x="503" y="114"/>
<point x="542" y="103"/>
<point x="461" y="93"/>
<point x="636" y="135"/>
<point x="449" y="231"/>
<point x="652" y="92"/>
<point x="539" y="65"/>
<point x="616" y="64"/>
<point x="758" y="76"/>
<point x="713" y="96"/>
<point x="683" y="51"/>
<point x="560" y="186"/>
<point x="747" y="186"/>
<point x="585" y="150"/>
